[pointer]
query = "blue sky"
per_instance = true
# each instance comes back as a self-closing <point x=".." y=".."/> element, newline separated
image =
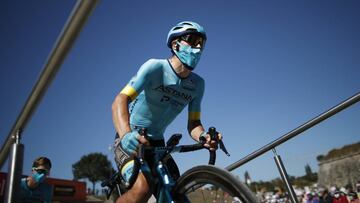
<point x="269" y="66"/>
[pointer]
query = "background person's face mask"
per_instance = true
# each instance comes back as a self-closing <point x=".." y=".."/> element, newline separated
<point x="39" y="177"/>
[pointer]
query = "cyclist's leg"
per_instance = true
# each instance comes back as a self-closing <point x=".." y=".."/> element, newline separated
<point x="139" y="192"/>
<point x="172" y="167"/>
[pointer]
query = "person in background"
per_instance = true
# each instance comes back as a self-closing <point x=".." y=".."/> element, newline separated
<point x="311" y="198"/>
<point x="353" y="197"/>
<point x="339" y="197"/>
<point x="34" y="188"/>
<point x="325" y="196"/>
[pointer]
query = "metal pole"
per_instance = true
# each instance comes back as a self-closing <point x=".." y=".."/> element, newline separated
<point x="285" y="177"/>
<point x="66" y="39"/>
<point x="15" y="171"/>
<point x="343" y="105"/>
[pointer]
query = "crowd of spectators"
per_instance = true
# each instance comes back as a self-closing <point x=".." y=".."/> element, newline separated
<point x="314" y="194"/>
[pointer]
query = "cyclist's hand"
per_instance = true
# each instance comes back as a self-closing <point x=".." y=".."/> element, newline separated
<point x="212" y="144"/>
<point x="131" y="140"/>
<point x="143" y="140"/>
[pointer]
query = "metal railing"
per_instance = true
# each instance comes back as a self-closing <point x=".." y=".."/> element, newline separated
<point x="272" y="145"/>
<point x="65" y="41"/>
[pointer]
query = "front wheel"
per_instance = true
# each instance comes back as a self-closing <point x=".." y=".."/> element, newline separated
<point x="211" y="184"/>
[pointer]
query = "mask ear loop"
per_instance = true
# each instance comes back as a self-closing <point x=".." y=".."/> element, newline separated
<point x="177" y="44"/>
<point x="176" y="48"/>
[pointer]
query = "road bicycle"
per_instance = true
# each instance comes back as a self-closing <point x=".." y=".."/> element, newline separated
<point x="204" y="183"/>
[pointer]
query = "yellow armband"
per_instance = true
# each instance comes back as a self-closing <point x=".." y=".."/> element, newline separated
<point x="130" y="92"/>
<point x="194" y="115"/>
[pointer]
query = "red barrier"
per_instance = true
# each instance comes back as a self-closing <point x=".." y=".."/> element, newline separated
<point x="2" y="186"/>
<point x="63" y="190"/>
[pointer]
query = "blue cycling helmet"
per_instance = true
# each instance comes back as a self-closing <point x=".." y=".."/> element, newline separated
<point x="184" y="28"/>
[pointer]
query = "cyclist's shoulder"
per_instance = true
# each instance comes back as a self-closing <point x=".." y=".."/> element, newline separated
<point x="197" y="79"/>
<point x="154" y="64"/>
<point x="196" y="76"/>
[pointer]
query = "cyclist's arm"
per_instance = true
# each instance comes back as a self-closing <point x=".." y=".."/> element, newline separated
<point x="195" y="129"/>
<point x="120" y="106"/>
<point x="120" y="114"/>
<point x="25" y="187"/>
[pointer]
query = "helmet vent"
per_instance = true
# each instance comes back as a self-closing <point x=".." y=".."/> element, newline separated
<point x="192" y="29"/>
<point x="176" y="28"/>
<point x="187" y="24"/>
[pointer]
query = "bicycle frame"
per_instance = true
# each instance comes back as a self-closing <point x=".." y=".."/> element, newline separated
<point x="165" y="182"/>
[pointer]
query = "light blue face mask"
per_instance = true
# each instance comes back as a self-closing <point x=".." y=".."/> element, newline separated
<point x="39" y="178"/>
<point x="188" y="55"/>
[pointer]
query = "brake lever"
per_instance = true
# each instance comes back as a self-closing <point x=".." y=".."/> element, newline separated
<point x="109" y="193"/>
<point x="213" y="135"/>
<point x="223" y="148"/>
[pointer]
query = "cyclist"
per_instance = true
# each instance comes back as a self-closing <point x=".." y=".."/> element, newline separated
<point x="153" y="98"/>
<point x="34" y="188"/>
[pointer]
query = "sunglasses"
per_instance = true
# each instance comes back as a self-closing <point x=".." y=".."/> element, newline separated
<point x="195" y="41"/>
<point x="41" y="171"/>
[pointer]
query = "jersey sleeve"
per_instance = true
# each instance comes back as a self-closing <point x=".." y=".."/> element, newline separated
<point x="195" y="105"/>
<point x="140" y="80"/>
<point x="25" y="190"/>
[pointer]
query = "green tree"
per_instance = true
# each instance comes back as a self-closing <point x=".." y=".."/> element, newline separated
<point x="309" y="175"/>
<point x="308" y="171"/>
<point x="94" y="166"/>
<point x="262" y="186"/>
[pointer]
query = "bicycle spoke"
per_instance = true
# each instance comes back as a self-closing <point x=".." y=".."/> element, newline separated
<point x="203" y="196"/>
<point x="210" y="184"/>
<point x="209" y="193"/>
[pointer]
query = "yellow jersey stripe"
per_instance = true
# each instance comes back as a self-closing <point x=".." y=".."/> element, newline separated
<point x="129" y="91"/>
<point x="124" y="168"/>
<point x="194" y="115"/>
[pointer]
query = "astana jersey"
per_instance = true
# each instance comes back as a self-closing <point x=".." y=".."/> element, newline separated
<point x="158" y="95"/>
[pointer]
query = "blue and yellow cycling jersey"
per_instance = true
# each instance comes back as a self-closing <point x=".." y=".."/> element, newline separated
<point x="158" y="95"/>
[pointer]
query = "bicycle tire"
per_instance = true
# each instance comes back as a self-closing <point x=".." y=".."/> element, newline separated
<point x="198" y="176"/>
